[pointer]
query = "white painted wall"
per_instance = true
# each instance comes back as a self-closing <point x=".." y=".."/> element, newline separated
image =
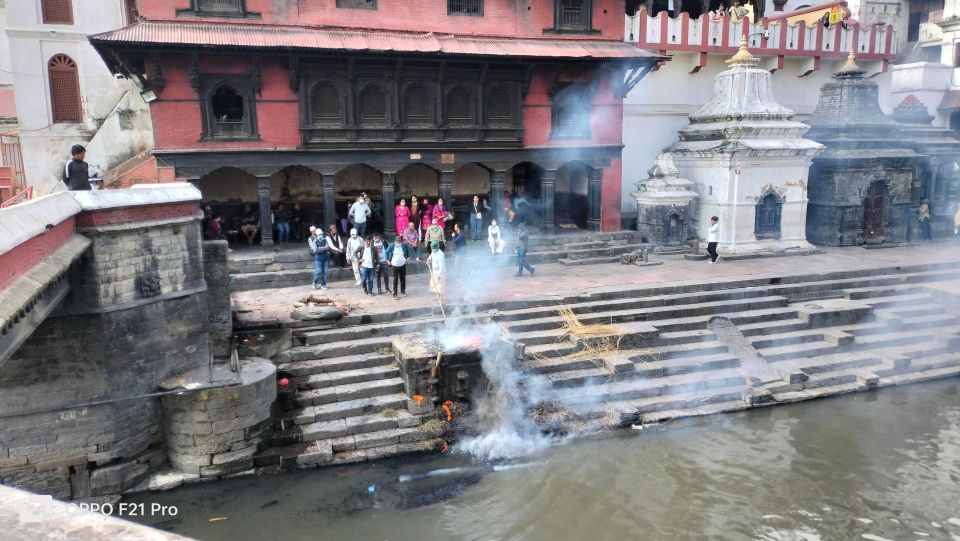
<point x="6" y="78"/>
<point x="46" y="146"/>
<point x="659" y="105"/>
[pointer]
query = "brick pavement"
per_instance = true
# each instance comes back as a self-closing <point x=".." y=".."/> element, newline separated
<point x="497" y="283"/>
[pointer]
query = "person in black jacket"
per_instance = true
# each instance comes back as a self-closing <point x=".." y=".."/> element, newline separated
<point x="76" y="173"/>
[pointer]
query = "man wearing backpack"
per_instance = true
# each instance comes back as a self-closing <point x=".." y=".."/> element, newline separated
<point x="321" y="256"/>
<point x="397" y="255"/>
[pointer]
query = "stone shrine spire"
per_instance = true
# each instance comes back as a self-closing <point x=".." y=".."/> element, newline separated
<point x="743" y="56"/>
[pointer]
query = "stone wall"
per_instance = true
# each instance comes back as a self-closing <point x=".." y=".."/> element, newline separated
<point x="219" y="316"/>
<point x="77" y="413"/>
<point x="214" y="432"/>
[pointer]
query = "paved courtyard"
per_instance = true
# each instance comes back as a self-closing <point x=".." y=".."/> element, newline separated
<point x="478" y="283"/>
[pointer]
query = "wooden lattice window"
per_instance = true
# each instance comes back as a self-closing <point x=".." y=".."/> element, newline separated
<point x="228" y="107"/>
<point x="571" y="111"/>
<point x="500" y="108"/>
<point x="64" y="90"/>
<point x="373" y="106"/>
<point x="416" y="106"/>
<point x="573" y="14"/>
<point x="460" y="106"/>
<point x="357" y="4"/>
<point x="57" y="11"/>
<point x="220" y="7"/>
<point x="325" y="105"/>
<point x="465" y="7"/>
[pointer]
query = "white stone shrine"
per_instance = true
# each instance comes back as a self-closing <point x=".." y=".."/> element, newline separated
<point x="749" y="162"/>
<point x="665" y="204"/>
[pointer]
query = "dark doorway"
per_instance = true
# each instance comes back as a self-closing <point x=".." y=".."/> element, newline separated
<point x="874" y="211"/>
<point x="672" y="230"/>
<point x="767" y="221"/>
<point x="526" y="199"/>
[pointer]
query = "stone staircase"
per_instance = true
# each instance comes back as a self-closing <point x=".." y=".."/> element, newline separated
<point x="293" y="265"/>
<point x="688" y="349"/>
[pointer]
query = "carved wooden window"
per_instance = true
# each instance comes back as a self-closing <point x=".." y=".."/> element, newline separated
<point x="220" y="7"/>
<point x="357" y="4"/>
<point x="460" y="106"/>
<point x="417" y="106"/>
<point x="465" y="7"/>
<point x="325" y="106"/>
<point x="571" y="111"/>
<point x="57" y="11"/>
<point x="228" y="109"/>
<point x="767" y="221"/>
<point x="65" y="102"/>
<point x="573" y="15"/>
<point x="373" y="106"/>
<point x="501" y="108"/>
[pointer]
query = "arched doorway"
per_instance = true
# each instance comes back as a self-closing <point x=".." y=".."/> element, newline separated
<point x="673" y="229"/>
<point x="299" y="186"/>
<point x="526" y="197"/>
<point x="767" y="218"/>
<point x="227" y="190"/>
<point x="874" y="211"/>
<point x="355" y="180"/>
<point x="570" y="201"/>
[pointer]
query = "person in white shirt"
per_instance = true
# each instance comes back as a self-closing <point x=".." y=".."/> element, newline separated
<point x="369" y="259"/>
<point x="359" y="212"/>
<point x="438" y="269"/>
<point x="354" y="243"/>
<point x="494" y="238"/>
<point x="713" y="238"/>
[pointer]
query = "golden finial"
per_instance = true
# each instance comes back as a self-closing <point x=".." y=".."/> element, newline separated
<point x="851" y="64"/>
<point x="743" y="56"/>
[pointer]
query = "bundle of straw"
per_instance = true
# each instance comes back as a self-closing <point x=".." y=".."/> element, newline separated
<point x="609" y="335"/>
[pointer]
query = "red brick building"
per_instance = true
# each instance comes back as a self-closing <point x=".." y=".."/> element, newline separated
<point x="318" y="100"/>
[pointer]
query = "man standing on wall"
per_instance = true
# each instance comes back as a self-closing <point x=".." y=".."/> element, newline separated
<point x="321" y="256"/>
<point x="76" y="173"/>
<point x="713" y="238"/>
<point x="359" y="213"/>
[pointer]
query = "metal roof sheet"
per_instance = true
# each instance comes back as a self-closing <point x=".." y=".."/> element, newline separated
<point x="244" y="35"/>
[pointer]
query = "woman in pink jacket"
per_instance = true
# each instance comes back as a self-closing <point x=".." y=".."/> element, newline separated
<point x="440" y="212"/>
<point x="402" y="213"/>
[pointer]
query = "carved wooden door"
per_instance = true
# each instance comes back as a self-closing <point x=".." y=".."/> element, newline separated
<point x="874" y="209"/>
<point x="671" y="230"/>
<point x="767" y="220"/>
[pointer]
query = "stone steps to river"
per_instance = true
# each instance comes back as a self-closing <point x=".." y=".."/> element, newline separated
<point x="351" y="405"/>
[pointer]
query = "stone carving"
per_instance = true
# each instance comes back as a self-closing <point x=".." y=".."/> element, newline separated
<point x="149" y="284"/>
<point x="663" y="203"/>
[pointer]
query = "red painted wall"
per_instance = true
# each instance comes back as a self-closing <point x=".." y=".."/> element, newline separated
<point x="526" y="18"/>
<point x="25" y="256"/>
<point x="610" y="200"/>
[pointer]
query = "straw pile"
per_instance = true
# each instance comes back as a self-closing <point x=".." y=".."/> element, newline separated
<point x="597" y="339"/>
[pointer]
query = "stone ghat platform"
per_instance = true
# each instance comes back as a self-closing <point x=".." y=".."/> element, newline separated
<point x="292" y="264"/>
<point x="694" y="349"/>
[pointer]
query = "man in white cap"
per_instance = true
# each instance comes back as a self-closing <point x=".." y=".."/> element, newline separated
<point x="321" y="256"/>
<point x="354" y="244"/>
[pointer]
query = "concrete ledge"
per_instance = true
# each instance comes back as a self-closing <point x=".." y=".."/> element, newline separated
<point x="25" y="221"/>
<point x="141" y="194"/>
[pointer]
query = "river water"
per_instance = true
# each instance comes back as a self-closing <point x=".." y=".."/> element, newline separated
<point x="877" y="465"/>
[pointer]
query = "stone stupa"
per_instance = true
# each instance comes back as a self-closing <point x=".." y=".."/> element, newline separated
<point x="665" y="204"/>
<point x="861" y="184"/>
<point x="749" y="161"/>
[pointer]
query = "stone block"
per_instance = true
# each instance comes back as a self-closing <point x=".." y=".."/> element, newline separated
<point x="233" y="456"/>
<point x="377" y="439"/>
<point x="406" y="420"/>
<point x="188" y="463"/>
<point x="320" y="452"/>
<point x="346" y="443"/>
<point x="618" y="364"/>
<point x="871" y="381"/>
<point x="165" y="479"/>
<point x="325" y="430"/>
<point x="421" y="408"/>
<point x="219" y="470"/>
<point x="62" y="463"/>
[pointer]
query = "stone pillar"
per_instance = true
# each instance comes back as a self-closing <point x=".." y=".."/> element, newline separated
<point x="266" y="216"/>
<point x="548" y="189"/>
<point x="594" y="191"/>
<point x="217" y="276"/>
<point x="389" y="202"/>
<point x="445" y="187"/>
<point x="496" y="195"/>
<point x="329" y="202"/>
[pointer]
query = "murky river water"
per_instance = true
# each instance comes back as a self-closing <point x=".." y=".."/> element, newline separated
<point x="866" y="466"/>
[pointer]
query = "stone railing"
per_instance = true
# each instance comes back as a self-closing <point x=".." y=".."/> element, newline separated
<point x="773" y="39"/>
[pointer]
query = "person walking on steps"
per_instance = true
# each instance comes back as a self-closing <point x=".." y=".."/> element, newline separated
<point x="713" y="238"/>
<point x="320" y="249"/>
<point x="398" y="254"/>
<point x="354" y="244"/>
<point x="523" y="238"/>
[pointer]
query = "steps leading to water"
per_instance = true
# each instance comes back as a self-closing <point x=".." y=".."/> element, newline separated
<point x="351" y="406"/>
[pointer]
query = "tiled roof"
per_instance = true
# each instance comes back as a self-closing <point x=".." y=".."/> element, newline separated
<point x="253" y="36"/>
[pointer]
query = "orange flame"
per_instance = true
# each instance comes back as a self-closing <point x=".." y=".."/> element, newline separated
<point x="418" y="399"/>
<point x="446" y="408"/>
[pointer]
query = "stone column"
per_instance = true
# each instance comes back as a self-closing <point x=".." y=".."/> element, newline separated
<point x="445" y="188"/>
<point x="389" y="197"/>
<point x="329" y="202"/>
<point x="496" y="195"/>
<point x="548" y="189"/>
<point x="266" y="216"/>
<point x="594" y="191"/>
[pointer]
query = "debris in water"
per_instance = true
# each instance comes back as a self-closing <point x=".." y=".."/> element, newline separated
<point x="921" y="534"/>
<point x="864" y="521"/>
<point x="271" y="503"/>
<point x="371" y="489"/>
<point x="936" y="525"/>
<point x="217" y="519"/>
<point x="872" y="537"/>
<point x="445" y="446"/>
<point x="954" y="521"/>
